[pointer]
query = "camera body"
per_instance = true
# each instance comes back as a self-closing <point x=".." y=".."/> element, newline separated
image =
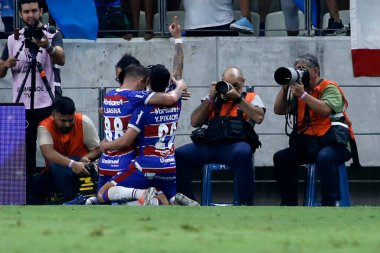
<point x="199" y="135"/>
<point x="286" y="76"/>
<point x="92" y="168"/>
<point x="31" y="32"/>
<point x="222" y="87"/>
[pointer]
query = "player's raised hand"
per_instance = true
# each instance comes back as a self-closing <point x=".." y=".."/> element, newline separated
<point x="175" y="28"/>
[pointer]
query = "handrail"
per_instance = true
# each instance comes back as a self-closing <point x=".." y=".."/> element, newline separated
<point x="308" y="17"/>
<point x="162" y="8"/>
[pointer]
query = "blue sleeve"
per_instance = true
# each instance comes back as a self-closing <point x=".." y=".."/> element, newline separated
<point x="57" y="40"/>
<point x="138" y="97"/>
<point x="139" y="117"/>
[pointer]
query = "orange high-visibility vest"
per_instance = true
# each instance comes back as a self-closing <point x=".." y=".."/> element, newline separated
<point x="318" y="125"/>
<point x="67" y="144"/>
<point x="230" y="109"/>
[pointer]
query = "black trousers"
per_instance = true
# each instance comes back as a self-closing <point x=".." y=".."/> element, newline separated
<point x="33" y="118"/>
<point x="286" y="161"/>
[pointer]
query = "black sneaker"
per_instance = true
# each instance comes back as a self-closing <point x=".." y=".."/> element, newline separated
<point x="79" y="200"/>
<point x="334" y="28"/>
<point x="348" y="32"/>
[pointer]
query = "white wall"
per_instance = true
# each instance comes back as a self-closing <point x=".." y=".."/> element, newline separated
<point x="90" y="65"/>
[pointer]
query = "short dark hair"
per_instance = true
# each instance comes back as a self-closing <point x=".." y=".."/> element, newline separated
<point x="135" y="71"/>
<point x="21" y="2"/>
<point x="159" y="77"/>
<point x="64" y="106"/>
<point x="124" y="62"/>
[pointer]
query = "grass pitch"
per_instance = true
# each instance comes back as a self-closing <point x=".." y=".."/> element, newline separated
<point x="120" y="229"/>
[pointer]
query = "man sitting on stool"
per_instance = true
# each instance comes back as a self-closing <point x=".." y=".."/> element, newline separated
<point x="224" y="108"/>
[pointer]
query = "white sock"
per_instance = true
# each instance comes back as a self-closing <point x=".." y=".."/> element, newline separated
<point x="92" y="201"/>
<point x="137" y="193"/>
<point x="172" y="201"/>
<point x="120" y="193"/>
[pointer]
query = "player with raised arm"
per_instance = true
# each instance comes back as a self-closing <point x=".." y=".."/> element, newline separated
<point x="119" y="104"/>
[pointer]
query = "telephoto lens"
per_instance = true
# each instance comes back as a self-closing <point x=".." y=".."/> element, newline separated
<point x="222" y="87"/>
<point x="285" y="76"/>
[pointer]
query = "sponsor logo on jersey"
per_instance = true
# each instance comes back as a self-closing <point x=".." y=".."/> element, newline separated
<point x="166" y="110"/>
<point x="167" y="160"/>
<point x="112" y="110"/>
<point x="139" y="117"/>
<point x="162" y="118"/>
<point x="106" y="161"/>
<point x="110" y="102"/>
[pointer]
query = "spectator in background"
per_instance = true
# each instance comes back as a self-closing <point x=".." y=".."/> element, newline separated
<point x="245" y="110"/>
<point x="208" y="18"/>
<point x="50" y="20"/>
<point x="110" y="17"/>
<point x="134" y="7"/>
<point x="245" y="21"/>
<point x="2" y="26"/>
<point x="50" y="52"/>
<point x="244" y="24"/>
<point x="6" y="15"/>
<point x="264" y="6"/>
<point x="69" y="142"/>
<point x="173" y="5"/>
<point x="335" y="25"/>
<point x="290" y="10"/>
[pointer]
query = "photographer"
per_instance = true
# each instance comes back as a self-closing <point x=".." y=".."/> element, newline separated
<point x="322" y="132"/>
<point x="225" y="102"/>
<point x="33" y="43"/>
<point x="69" y="142"/>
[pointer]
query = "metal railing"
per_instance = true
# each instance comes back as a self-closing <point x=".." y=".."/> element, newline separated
<point x="162" y="10"/>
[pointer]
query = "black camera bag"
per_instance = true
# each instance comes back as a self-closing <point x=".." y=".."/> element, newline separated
<point x="228" y="129"/>
<point x="199" y="135"/>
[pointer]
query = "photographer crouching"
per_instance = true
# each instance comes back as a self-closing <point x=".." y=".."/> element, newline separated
<point x="227" y="115"/>
<point x="321" y="133"/>
<point x="31" y="55"/>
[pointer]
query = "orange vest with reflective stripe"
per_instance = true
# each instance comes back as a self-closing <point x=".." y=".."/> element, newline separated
<point x="68" y="144"/>
<point x="230" y="109"/>
<point x="318" y="125"/>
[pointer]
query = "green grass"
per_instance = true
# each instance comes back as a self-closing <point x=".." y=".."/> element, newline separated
<point x="108" y="229"/>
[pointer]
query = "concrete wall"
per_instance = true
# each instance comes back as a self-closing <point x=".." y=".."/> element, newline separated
<point x="90" y="65"/>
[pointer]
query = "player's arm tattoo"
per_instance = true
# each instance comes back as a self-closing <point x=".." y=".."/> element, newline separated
<point x="178" y="61"/>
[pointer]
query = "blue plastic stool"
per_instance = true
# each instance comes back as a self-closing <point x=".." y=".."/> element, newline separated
<point x="208" y="169"/>
<point x="311" y="193"/>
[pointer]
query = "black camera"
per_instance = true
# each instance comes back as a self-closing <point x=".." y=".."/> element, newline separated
<point x="31" y="32"/>
<point x="285" y="76"/>
<point x="222" y="87"/>
<point x="199" y="135"/>
<point x="92" y="168"/>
